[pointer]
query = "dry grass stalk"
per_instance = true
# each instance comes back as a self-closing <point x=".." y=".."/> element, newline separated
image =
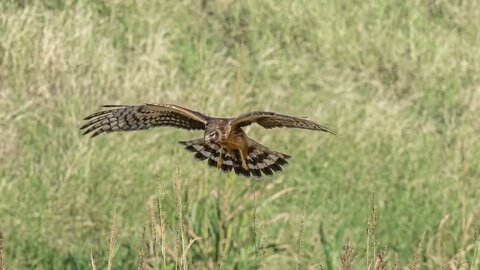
<point x="379" y="264"/>
<point x="2" y="256"/>
<point x="459" y="261"/>
<point x="161" y="225"/>
<point x="221" y="257"/>
<point x="185" y="252"/>
<point x="263" y="245"/>
<point x="180" y="244"/>
<point x="476" y="227"/>
<point x="153" y="228"/>
<point x="347" y="256"/>
<point x="300" y="242"/>
<point x="111" y="244"/>
<point x="141" y="252"/>
<point x="416" y="256"/>
<point x="254" y="221"/>
<point x="372" y="230"/>
<point x="476" y="234"/>
<point x="395" y="263"/>
<point x="93" y="265"/>
<point x="467" y="221"/>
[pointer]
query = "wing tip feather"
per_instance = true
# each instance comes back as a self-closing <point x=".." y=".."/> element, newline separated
<point x="331" y="131"/>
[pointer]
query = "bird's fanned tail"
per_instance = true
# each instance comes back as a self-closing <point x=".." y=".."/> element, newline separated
<point x="260" y="159"/>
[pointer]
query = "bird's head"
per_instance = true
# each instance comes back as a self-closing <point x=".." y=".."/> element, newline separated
<point x="212" y="136"/>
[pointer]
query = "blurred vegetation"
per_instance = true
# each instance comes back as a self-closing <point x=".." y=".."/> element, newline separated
<point x="399" y="80"/>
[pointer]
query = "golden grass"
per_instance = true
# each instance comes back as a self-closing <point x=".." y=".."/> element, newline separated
<point x="112" y="241"/>
<point x="2" y="256"/>
<point x="347" y="257"/>
<point x="417" y="256"/>
<point x="179" y="255"/>
<point x="372" y="232"/>
<point x="93" y="264"/>
<point x="298" y="258"/>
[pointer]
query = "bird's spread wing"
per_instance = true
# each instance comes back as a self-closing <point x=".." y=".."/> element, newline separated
<point x="128" y="118"/>
<point x="273" y="120"/>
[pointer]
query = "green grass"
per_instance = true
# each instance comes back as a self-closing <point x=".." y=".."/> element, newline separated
<point x="399" y="80"/>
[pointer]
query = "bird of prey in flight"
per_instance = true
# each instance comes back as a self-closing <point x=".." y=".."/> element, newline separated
<point x="225" y="145"/>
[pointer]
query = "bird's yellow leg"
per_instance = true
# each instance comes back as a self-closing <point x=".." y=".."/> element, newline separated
<point x="220" y="159"/>
<point x="243" y="155"/>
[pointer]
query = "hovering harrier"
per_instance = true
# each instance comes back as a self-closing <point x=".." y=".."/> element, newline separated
<point x="224" y="144"/>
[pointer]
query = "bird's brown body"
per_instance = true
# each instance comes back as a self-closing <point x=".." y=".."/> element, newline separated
<point x="225" y="144"/>
<point x="231" y="141"/>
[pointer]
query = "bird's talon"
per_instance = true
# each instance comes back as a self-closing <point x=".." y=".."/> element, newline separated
<point x="242" y="157"/>
<point x="220" y="160"/>
<point x="244" y="165"/>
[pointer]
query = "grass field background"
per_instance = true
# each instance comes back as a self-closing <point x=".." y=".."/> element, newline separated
<point x="399" y="80"/>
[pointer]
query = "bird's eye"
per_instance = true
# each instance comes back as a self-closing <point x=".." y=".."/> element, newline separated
<point x="213" y="135"/>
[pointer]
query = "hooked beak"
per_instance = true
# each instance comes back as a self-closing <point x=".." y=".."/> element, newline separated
<point x="210" y="138"/>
